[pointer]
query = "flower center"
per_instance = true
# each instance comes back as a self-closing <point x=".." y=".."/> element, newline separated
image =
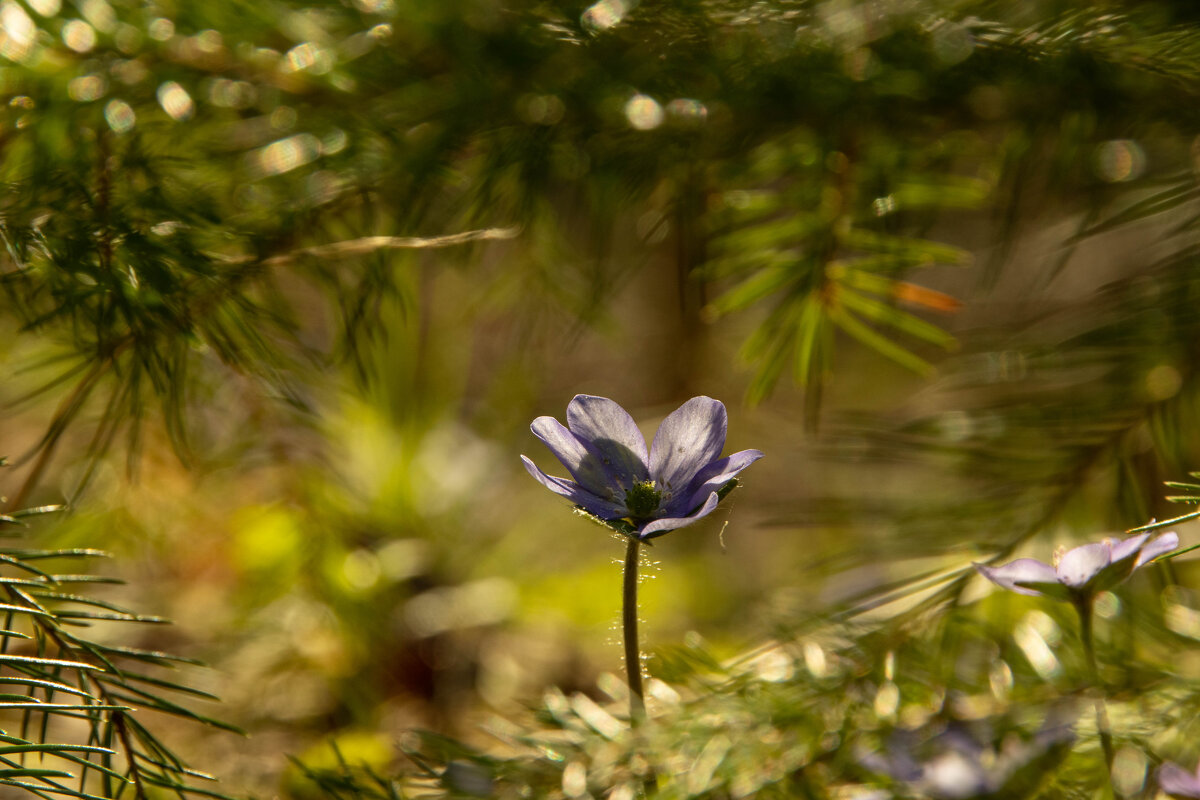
<point x="642" y="499"/>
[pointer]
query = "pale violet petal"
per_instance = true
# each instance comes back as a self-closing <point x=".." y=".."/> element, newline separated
<point x="1177" y="781"/>
<point x="660" y="526"/>
<point x="578" y="456"/>
<point x="1079" y="566"/>
<point x="1128" y="547"/>
<point x="605" y="509"/>
<point x="716" y="475"/>
<point x="1160" y="546"/>
<point x="1021" y="575"/>
<point x="613" y="433"/>
<point x="1124" y="558"/>
<point x="689" y="439"/>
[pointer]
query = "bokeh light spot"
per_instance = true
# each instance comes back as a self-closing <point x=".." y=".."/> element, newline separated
<point x="1120" y="160"/>
<point x="100" y="14"/>
<point x="176" y="101"/>
<point x="86" y="88"/>
<point x="887" y="699"/>
<point x="1163" y="382"/>
<point x="955" y="425"/>
<point x="1129" y="771"/>
<point x="541" y="109"/>
<point x="284" y="118"/>
<point x="120" y="116"/>
<point x="1107" y="605"/>
<point x="574" y="779"/>
<point x="1179" y="615"/>
<point x="47" y="8"/>
<point x="231" y="94"/>
<point x="483" y="602"/>
<point x="17" y="32"/>
<point x="643" y="112"/>
<point x="309" y="56"/>
<point x="287" y="154"/>
<point x="774" y="666"/>
<point x="161" y="29"/>
<point x="1000" y="679"/>
<point x="209" y="41"/>
<point x="815" y="660"/>
<point x="686" y="109"/>
<point x="401" y="559"/>
<point x="361" y="569"/>
<point x="334" y="142"/>
<point x="375" y="6"/>
<point x="1035" y="635"/>
<point x="78" y="35"/>
<point x="603" y="15"/>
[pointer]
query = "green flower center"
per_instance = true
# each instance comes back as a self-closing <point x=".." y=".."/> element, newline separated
<point x="642" y="499"/>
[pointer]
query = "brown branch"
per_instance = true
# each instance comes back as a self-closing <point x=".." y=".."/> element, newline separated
<point x="371" y="244"/>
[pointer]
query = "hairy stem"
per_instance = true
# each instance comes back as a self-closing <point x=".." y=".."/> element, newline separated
<point x="633" y="654"/>
<point x="629" y="615"/>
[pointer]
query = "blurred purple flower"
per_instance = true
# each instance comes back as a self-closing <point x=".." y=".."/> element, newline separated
<point x="955" y="765"/>
<point x="1177" y="781"/>
<point x="679" y="481"/>
<point x="1083" y="571"/>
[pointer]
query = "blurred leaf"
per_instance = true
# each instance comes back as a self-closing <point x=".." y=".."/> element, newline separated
<point x="878" y="342"/>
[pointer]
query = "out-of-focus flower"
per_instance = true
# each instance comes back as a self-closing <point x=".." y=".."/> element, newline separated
<point x="1083" y="571"/>
<point x="680" y="480"/>
<point x="957" y="766"/>
<point x="1177" y="781"/>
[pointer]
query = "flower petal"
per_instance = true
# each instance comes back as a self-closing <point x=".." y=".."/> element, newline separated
<point x="660" y="526"/>
<point x="605" y="509"/>
<point x="1160" y="546"/>
<point x="712" y="478"/>
<point x="1024" y="576"/>
<point x="1177" y="781"/>
<point x="1128" y="547"/>
<point x="1080" y="567"/>
<point x="613" y="433"/>
<point x="578" y="456"/>
<point x="691" y="437"/>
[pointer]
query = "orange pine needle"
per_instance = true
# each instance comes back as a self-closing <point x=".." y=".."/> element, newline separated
<point x="907" y="292"/>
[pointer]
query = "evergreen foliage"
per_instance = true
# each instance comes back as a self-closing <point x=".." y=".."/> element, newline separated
<point x="81" y="700"/>
<point x="193" y="194"/>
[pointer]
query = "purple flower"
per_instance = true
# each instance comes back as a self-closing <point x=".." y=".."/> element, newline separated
<point x="679" y="481"/>
<point x="1177" y="781"/>
<point x="955" y="764"/>
<point x="1083" y="571"/>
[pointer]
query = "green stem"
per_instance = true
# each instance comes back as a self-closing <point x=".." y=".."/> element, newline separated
<point x="633" y="653"/>
<point x="1083" y="605"/>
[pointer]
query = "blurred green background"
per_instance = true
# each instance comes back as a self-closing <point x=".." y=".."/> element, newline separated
<point x="938" y="258"/>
